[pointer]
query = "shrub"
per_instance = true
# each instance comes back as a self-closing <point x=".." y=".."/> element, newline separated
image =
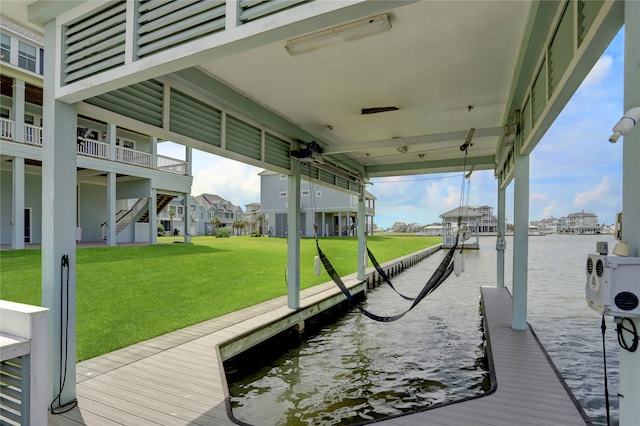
<point x="160" y="230"/>
<point x="223" y="232"/>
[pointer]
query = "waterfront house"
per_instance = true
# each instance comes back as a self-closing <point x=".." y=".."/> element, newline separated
<point x="121" y="183"/>
<point x="583" y="223"/>
<point x="334" y="211"/>
<point x="356" y="89"/>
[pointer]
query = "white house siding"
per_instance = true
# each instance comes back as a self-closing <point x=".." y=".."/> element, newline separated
<point x="32" y="200"/>
<point x="92" y="210"/>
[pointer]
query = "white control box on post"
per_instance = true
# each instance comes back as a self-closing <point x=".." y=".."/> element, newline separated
<point x="613" y="285"/>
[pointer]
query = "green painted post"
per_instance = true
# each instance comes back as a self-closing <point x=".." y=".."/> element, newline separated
<point x="520" y="240"/>
<point x="18" y="179"/>
<point x="293" y="238"/>
<point x="362" y="238"/>
<point x="500" y="240"/>
<point x="630" y="361"/>
<point x="59" y="230"/>
<point x="19" y="89"/>
<point x="111" y="187"/>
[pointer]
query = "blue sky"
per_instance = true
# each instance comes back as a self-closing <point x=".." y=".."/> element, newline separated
<point x="573" y="168"/>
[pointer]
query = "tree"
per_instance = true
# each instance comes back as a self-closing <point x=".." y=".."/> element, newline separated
<point x="216" y="222"/>
<point x="172" y="212"/>
<point x="260" y="219"/>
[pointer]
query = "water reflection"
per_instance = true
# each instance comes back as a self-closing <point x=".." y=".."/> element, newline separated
<point x="356" y="369"/>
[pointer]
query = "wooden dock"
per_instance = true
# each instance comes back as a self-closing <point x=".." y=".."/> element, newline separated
<point x="178" y="379"/>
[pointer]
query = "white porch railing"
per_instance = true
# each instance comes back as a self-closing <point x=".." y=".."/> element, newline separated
<point x="6" y="129"/>
<point x="97" y="149"/>
<point x="93" y="148"/>
<point x="131" y="156"/>
<point x="32" y="135"/>
<point x="23" y="364"/>
<point x="172" y="165"/>
<point x="127" y="219"/>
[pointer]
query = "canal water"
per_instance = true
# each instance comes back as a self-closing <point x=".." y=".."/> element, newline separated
<point x="356" y="370"/>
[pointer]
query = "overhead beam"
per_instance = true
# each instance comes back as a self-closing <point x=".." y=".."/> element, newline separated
<point x="419" y="140"/>
<point x="280" y="26"/>
<point x="424" y="167"/>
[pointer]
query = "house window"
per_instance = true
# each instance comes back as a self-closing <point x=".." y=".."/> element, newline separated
<point x="5" y="48"/>
<point x="4" y="113"/>
<point x="28" y="119"/>
<point x="180" y="210"/>
<point x="126" y="143"/>
<point x="26" y="56"/>
<point x="283" y="194"/>
<point x="306" y="192"/>
<point x="283" y="177"/>
<point x="318" y="193"/>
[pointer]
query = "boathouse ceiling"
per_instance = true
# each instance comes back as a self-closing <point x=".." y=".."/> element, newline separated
<point x="385" y="88"/>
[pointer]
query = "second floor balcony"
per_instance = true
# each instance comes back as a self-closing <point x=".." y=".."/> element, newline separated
<point x="93" y="148"/>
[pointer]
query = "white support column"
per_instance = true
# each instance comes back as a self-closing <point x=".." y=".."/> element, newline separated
<point x="293" y="238"/>
<point x="323" y="226"/>
<point x="501" y="242"/>
<point x="188" y="158"/>
<point x="340" y="224"/>
<point x="362" y="238"/>
<point x="187" y="218"/>
<point x="520" y="240"/>
<point x="630" y="361"/>
<point x="153" y="217"/>
<point x="17" y="228"/>
<point x="153" y="142"/>
<point x="111" y="140"/>
<point x="59" y="228"/>
<point x="18" y="109"/>
<point x="111" y="209"/>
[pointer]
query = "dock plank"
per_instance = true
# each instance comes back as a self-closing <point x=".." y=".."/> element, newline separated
<point x="177" y="379"/>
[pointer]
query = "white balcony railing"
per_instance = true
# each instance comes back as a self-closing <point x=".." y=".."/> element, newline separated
<point x="6" y="129"/>
<point x="23" y="363"/>
<point x="32" y="135"/>
<point x="172" y="165"/>
<point x="131" y="156"/>
<point x="93" y="148"/>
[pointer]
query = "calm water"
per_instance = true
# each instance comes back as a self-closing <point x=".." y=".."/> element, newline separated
<point x="357" y="369"/>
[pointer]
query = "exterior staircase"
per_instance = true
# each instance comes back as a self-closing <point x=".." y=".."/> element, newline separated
<point x="141" y="210"/>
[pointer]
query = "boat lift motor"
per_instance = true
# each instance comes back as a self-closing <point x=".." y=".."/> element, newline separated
<point x="612" y="286"/>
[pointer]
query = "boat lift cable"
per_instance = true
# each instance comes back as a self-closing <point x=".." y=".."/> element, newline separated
<point x="384" y="275"/>
<point x="439" y="276"/>
<point x="443" y="271"/>
<point x="603" y="327"/>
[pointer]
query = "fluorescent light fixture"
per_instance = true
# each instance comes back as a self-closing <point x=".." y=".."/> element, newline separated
<point x="345" y="32"/>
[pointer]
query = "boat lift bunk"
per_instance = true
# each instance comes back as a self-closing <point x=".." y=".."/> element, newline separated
<point x="467" y="234"/>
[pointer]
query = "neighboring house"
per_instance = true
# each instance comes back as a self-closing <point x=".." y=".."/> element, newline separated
<point x="335" y="212"/>
<point x="475" y="217"/>
<point x="583" y="223"/>
<point x="488" y="222"/>
<point x="119" y="173"/>
<point x="252" y="218"/>
<point x="217" y="207"/>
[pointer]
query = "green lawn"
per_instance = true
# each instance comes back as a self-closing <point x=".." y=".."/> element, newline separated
<point x="129" y="294"/>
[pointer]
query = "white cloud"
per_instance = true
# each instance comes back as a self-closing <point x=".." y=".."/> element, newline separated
<point x="231" y="180"/>
<point x="598" y="73"/>
<point x="596" y="194"/>
<point x="538" y="198"/>
<point x="548" y="211"/>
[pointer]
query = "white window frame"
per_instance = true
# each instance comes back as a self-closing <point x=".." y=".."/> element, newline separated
<point x="305" y="192"/>
<point x="318" y="194"/>
<point x="6" y="49"/>
<point x="23" y="55"/>
<point x="283" y="177"/>
<point x="283" y="194"/>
